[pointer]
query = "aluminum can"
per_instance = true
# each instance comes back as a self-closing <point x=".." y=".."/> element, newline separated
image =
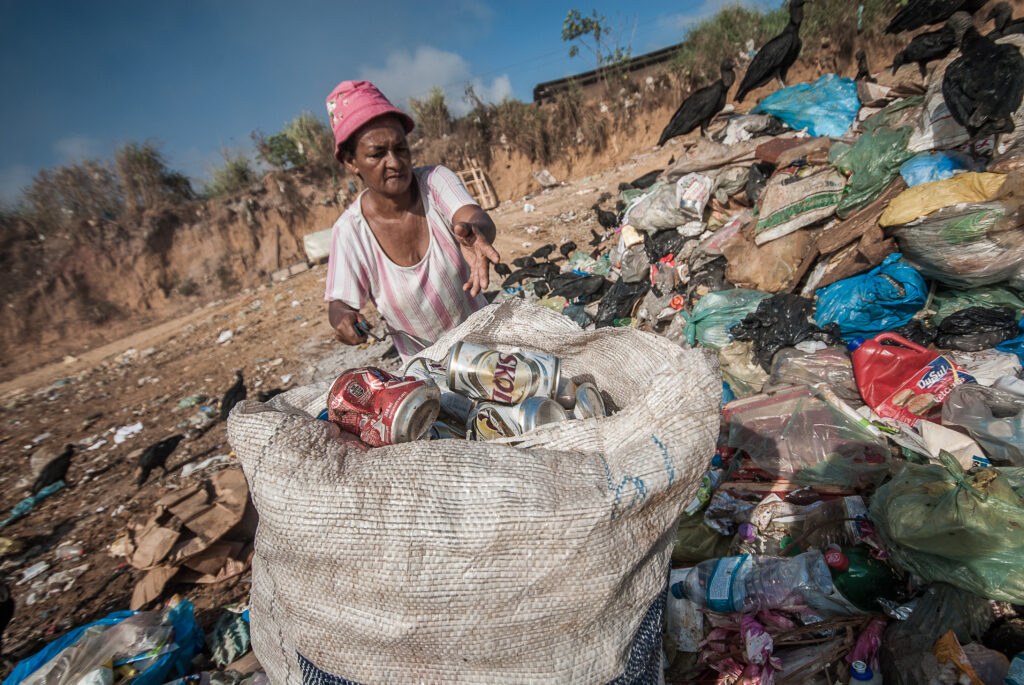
<point x="382" y="409"/>
<point x="445" y="430"/>
<point x="453" y="405"/>
<point x="588" y="402"/>
<point x="491" y="420"/>
<point x="503" y="377"/>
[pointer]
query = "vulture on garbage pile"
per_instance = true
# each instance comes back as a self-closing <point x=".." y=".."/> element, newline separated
<point x="56" y="469"/>
<point x="863" y="72"/>
<point x="775" y="58"/>
<point x="700" y="108"/>
<point x="1001" y="15"/>
<point x="155" y="456"/>
<point x="918" y="13"/>
<point x="926" y="47"/>
<point x="984" y="86"/>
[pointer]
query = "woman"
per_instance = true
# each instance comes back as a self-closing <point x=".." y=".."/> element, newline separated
<point x="413" y="242"/>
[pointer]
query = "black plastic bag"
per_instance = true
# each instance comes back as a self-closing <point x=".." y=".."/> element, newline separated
<point x="977" y="328"/>
<point x="782" y="321"/>
<point x="577" y="314"/>
<point x="916" y="331"/>
<point x="662" y="244"/>
<point x="620" y="300"/>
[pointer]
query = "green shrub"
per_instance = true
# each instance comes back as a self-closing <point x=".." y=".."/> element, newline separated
<point x="235" y="175"/>
<point x="145" y="180"/>
<point x="431" y="114"/>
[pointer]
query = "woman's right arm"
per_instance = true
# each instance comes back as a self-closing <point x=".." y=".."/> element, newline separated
<point x="343" y="320"/>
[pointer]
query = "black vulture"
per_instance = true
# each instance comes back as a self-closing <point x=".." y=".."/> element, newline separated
<point x="541" y="288"/>
<point x="918" y="13"/>
<point x="567" y="248"/>
<point x="605" y="218"/>
<point x="1002" y="14"/>
<point x="595" y="238"/>
<point x="234" y="395"/>
<point x="56" y="469"/>
<point x="701" y="107"/>
<point x="863" y="72"/>
<point x="775" y="58"/>
<point x="647" y="180"/>
<point x="6" y="611"/>
<point x="155" y="456"/>
<point x="547" y="270"/>
<point x="543" y="252"/>
<point x="984" y="86"/>
<point x="926" y="47"/>
<point x="523" y="262"/>
<point x="573" y="286"/>
<point x="502" y="270"/>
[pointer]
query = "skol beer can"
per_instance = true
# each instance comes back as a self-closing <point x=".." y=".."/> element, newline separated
<point x="454" y="405"/>
<point x="504" y="377"/>
<point x="490" y="420"/>
<point x="382" y="409"/>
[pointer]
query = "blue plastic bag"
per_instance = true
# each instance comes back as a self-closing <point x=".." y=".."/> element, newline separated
<point x="1014" y="345"/>
<point x="826" y="107"/>
<point x="936" y="166"/>
<point x="188" y="637"/>
<point x="880" y="300"/>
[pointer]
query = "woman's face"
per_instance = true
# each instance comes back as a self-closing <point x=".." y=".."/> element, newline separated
<point x="382" y="157"/>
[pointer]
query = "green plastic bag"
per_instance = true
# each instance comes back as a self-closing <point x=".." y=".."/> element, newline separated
<point x="716" y="313"/>
<point x="696" y="541"/>
<point x="949" y="301"/>
<point x="891" y="114"/>
<point x="945" y="525"/>
<point x="874" y="161"/>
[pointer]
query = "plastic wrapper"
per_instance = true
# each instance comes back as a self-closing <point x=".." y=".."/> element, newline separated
<point x="826" y="107"/>
<point x="797" y="197"/>
<point x="945" y="525"/>
<point x="940" y="609"/>
<point x="881" y="299"/>
<point x="874" y="161"/>
<point x="936" y="166"/>
<point x="947" y="300"/>
<point x="659" y="208"/>
<point x="987" y="366"/>
<point x="967" y="246"/>
<point x="716" y="312"/>
<point x="692" y="194"/>
<point x="799" y="435"/>
<point x="993" y="417"/>
<point x="730" y="181"/>
<point x="977" y="328"/>
<point x="634" y="265"/>
<point x="831" y="366"/>
<point x="781" y="321"/>
<point x="744" y="376"/>
<point x="926" y="198"/>
<point x="742" y="127"/>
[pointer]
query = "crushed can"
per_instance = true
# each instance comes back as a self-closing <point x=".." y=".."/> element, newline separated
<point x="506" y="377"/>
<point x="453" y="405"/>
<point x="589" y="404"/>
<point x="491" y="421"/>
<point x="382" y="409"/>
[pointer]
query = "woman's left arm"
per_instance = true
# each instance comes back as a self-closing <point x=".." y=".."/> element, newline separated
<point x="475" y="232"/>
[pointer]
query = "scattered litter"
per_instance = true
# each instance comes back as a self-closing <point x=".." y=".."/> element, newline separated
<point x="125" y="432"/>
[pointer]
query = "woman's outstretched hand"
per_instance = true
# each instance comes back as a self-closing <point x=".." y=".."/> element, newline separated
<point x="479" y="254"/>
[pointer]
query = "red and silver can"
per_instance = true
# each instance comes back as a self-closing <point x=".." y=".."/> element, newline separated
<point x="382" y="409"/>
<point x="506" y="377"/>
<point x="491" y="421"/>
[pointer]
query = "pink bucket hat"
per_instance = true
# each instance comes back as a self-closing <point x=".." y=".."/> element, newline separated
<point x="353" y="103"/>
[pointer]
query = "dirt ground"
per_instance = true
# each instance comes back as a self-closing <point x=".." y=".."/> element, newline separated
<point x="280" y="339"/>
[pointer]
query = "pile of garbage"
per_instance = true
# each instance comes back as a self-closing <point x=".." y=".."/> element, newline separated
<point x="862" y="283"/>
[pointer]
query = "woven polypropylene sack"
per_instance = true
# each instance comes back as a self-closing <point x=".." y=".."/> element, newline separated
<point x="542" y="559"/>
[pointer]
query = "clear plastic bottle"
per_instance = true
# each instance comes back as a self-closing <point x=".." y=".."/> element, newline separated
<point x="751" y="583"/>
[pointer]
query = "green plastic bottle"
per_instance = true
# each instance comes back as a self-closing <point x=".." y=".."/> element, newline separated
<point x="861" y="579"/>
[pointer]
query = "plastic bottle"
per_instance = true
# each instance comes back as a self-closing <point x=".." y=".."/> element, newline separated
<point x="860" y="672"/>
<point x="880" y="369"/>
<point x="752" y="583"/>
<point x="859" y="578"/>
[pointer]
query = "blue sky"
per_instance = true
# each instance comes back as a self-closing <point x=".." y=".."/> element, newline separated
<point x="80" y="78"/>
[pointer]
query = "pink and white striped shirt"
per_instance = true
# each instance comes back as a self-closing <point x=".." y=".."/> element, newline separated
<point x="419" y="302"/>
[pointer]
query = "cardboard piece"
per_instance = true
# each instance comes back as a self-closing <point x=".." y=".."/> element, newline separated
<point x="199" y="534"/>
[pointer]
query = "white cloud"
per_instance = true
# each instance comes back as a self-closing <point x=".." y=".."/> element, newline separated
<point x="12" y="180"/>
<point x="411" y="75"/>
<point x="673" y="27"/>
<point x="75" y="149"/>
